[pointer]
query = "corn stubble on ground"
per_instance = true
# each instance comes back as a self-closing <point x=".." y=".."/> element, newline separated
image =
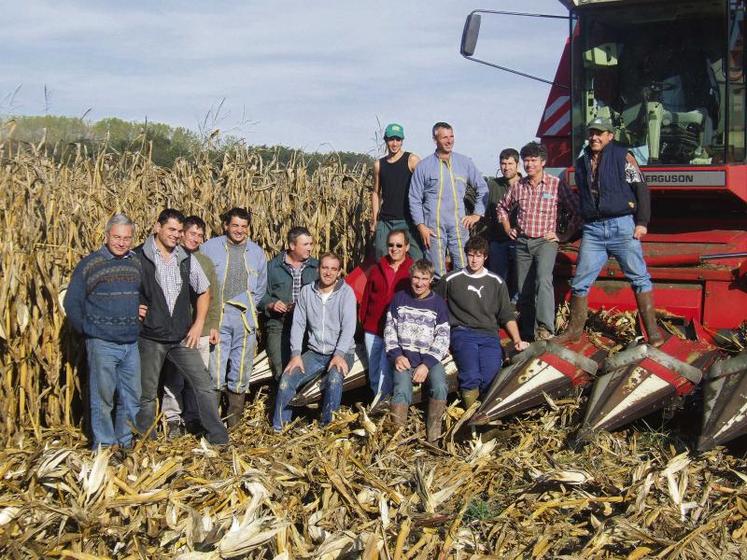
<point x="351" y="490"/>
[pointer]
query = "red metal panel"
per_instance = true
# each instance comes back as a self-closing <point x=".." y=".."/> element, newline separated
<point x="725" y="305"/>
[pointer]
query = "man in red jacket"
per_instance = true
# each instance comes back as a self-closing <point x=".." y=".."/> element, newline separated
<point x="387" y="276"/>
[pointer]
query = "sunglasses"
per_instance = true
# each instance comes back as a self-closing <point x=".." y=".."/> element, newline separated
<point x="397" y="245"/>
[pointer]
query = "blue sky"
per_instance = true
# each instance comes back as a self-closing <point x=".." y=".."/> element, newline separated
<point x="315" y="75"/>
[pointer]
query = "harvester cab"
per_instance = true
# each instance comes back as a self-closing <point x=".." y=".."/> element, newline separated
<point x="669" y="74"/>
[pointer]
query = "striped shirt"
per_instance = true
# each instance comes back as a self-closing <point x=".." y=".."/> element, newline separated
<point x="170" y="279"/>
<point x="537" y="206"/>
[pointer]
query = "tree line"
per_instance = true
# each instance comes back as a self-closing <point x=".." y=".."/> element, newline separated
<point x="60" y="136"/>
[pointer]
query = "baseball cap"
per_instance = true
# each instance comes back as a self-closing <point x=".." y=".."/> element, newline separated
<point x="600" y="123"/>
<point x="394" y="130"/>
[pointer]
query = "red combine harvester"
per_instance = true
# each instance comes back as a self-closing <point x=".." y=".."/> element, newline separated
<point x="670" y="75"/>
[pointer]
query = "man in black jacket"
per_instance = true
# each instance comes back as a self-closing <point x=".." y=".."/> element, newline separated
<point x="614" y="202"/>
<point x="168" y="331"/>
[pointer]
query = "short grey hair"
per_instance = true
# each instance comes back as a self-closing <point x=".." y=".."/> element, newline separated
<point x="119" y="220"/>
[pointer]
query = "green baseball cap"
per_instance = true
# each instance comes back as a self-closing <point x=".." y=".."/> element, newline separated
<point x="602" y="124"/>
<point x="394" y="130"/>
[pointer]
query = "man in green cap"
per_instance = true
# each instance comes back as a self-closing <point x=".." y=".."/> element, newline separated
<point x="389" y="200"/>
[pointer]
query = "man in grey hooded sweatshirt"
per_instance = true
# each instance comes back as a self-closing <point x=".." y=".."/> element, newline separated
<point x="326" y="311"/>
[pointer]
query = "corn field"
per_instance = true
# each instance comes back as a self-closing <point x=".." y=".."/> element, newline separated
<point x="54" y="213"/>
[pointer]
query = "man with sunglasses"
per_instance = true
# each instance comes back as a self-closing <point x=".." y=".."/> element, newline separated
<point x="389" y="199"/>
<point x="388" y="276"/>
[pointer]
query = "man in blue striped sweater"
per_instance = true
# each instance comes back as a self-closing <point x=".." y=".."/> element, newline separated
<point x="102" y="304"/>
<point x="416" y="338"/>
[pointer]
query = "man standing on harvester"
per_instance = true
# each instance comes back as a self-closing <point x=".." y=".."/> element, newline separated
<point x="614" y="202"/>
<point x="437" y="192"/>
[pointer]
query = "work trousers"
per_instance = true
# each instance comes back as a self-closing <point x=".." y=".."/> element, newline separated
<point x="478" y="358"/>
<point x="232" y="359"/>
<point x="179" y="403"/>
<point x="188" y="363"/>
<point x="449" y="238"/>
<point x="278" y="343"/>
<point x="535" y="260"/>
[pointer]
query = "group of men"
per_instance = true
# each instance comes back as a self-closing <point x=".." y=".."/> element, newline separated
<point x="194" y="305"/>
<point x="445" y="200"/>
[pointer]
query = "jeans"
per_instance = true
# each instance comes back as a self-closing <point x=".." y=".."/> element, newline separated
<point x="535" y="260"/>
<point x="383" y="227"/>
<point x="436" y="381"/>
<point x="314" y="365"/>
<point x="379" y="368"/>
<point x="189" y="363"/>
<point x="179" y="401"/>
<point x="237" y="345"/>
<point x="605" y="238"/>
<point x="502" y="261"/>
<point x="113" y="368"/>
<point x="278" y="343"/>
<point x="478" y="358"/>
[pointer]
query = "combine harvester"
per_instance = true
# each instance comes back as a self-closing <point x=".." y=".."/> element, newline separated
<point x="670" y="75"/>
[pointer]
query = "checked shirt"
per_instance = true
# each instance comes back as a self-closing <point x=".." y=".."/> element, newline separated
<point x="537" y="206"/>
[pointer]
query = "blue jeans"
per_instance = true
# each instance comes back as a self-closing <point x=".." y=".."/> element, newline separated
<point x="379" y="368"/>
<point x="478" y="357"/>
<point x="113" y="369"/>
<point x="436" y="381"/>
<point x="606" y="238"/>
<point x="314" y="365"/>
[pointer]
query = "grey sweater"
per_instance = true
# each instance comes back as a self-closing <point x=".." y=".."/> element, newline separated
<point x="330" y="324"/>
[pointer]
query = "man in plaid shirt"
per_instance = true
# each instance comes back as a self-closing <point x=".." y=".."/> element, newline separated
<point x="536" y="198"/>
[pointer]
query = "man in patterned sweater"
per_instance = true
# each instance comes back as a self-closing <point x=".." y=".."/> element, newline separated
<point x="416" y="338"/>
<point x="102" y="303"/>
<point x="478" y="303"/>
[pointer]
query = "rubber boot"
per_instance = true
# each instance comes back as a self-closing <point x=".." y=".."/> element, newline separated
<point x="398" y="415"/>
<point x="235" y="408"/>
<point x="647" y="311"/>
<point x="576" y="322"/>
<point x="433" y="421"/>
<point x="469" y="396"/>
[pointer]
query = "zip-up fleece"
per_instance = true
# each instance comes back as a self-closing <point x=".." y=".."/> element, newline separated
<point x="216" y="249"/>
<point x="331" y="324"/>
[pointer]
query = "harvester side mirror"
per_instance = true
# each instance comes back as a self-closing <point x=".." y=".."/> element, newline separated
<point x="470" y="33"/>
<point x="472" y="30"/>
